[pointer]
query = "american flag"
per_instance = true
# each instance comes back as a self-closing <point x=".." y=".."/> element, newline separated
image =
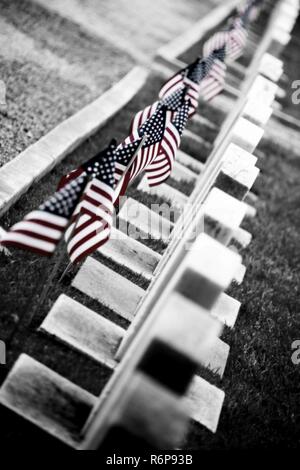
<point x="249" y="11"/>
<point x="41" y="230"/>
<point x="189" y="77"/>
<point x="124" y="155"/>
<point x="215" y="42"/>
<point x="161" y="168"/>
<point x="234" y="39"/>
<point x="154" y="128"/>
<point x="214" y="82"/>
<point x="172" y="102"/>
<point x="237" y="40"/>
<point x="92" y="221"/>
<point x="82" y="169"/>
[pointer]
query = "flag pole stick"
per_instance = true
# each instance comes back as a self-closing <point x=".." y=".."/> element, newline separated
<point x="65" y="272"/>
<point x="116" y="188"/>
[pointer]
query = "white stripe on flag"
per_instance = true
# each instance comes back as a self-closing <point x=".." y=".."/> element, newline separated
<point x="26" y="240"/>
<point x="82" y="249"/>
<point x="37" y="228"/>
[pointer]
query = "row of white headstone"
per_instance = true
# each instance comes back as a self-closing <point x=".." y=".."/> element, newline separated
<point x="149" y="406"/>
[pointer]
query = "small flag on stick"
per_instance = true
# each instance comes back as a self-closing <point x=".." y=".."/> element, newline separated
<point x="161" y="168"/>
<point x="89" y="164"/>
<point x="41" y="230"/>
<point x="189" y="77"/>
<point x="214" y="82"/>
<point x="233" y="39"/>
<point x="92" y="221"/>
<point x="154" y="128"/>
<point x="172" y="103"/>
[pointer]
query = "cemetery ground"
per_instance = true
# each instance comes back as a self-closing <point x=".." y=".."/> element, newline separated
<point x="260" y="380"/>
<point x="51" y="69"/>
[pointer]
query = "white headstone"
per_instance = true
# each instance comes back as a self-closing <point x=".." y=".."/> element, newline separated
<point x="257" y="112"/>
<point x="263" y="91"/>
<point x="246" y="134"/>
<point x="242" y="237"/>
<point x="187" y="327"/>
<point x="46" y="399"/>
<point x="216" y="356"/>
<point x="182" y="173"/>
<point x="151" y="223"/>
<point x="149" y="411"/>
<point x="132" y="254"/>
<point x="109" y="288"/>
<point x="208" y="270"/>
<point x="189" y="162"/>
<point x="245" y="177"/>
<point x="84" y="330"/>
<point x="223" y="215"/>
<point x="165" y="191"/>
<point x="236" y="158"/>
<point x="271" y="67"/>
<point x="251" y="211"/>
<point x="281" y="36"/>
<point x="205" y="403"/>
<point x="226" y="310"/>
<point x="240" y="274"/>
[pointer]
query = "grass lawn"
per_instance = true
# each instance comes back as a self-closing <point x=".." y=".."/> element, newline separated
<point x="52" y="68"/>
<point x="292" y="70"/>
<point x="261" y="383"/>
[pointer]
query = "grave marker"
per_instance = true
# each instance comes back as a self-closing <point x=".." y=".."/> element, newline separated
<point x="246" y="134"/>
<point x="151" y="223"/>
<point x="109" y="288"/>
<point x="190" y="162"/>
<point x="241" y="239"/>
<point x="258" y="113"/>
<point x="132" y="254"/>
<point x="223" y="215"/>
<point x="207" y="270"/>
<point x="237" y="183"/>
<point x="205" y="402"/>
<point x="84" y="330"/>
<point x="187" y="328"/>
<point x="177" y="198"/>
<point x="46" y="399"/>
<point x="146" y="410"/>
<point x="236" y="158"/>
<point x="271" y="67"/>
<point x="182" y="173"/>
<point x="167" y="366"/>
<point x="226" y="310"/>
<point x="263" y="91"/>
<point x="240" y="274"/>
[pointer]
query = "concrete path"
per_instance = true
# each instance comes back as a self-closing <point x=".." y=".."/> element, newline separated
<point x="138" y="27"/>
